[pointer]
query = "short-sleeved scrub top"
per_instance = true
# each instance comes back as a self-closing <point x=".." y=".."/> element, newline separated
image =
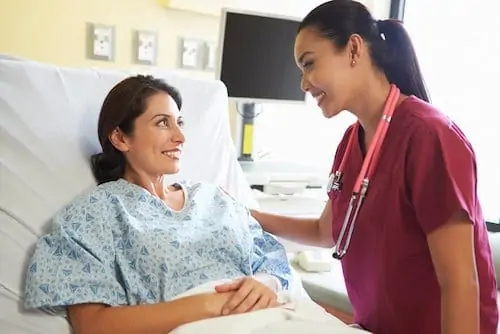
<point x="425" y="174"/>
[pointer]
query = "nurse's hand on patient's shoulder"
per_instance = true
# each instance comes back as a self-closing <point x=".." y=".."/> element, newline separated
<point x="249" y="295"/>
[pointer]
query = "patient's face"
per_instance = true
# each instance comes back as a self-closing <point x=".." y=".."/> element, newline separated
<point x="155" y="146"/>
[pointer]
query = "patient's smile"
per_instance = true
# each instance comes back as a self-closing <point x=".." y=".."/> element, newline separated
<point x="176" y="154"/>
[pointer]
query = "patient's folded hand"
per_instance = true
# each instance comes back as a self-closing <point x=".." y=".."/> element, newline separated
<point x="248" y="295"/>
<point x="214" y="302"/>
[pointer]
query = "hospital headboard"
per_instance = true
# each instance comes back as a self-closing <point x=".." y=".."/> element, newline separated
<point x="48" y="130"/>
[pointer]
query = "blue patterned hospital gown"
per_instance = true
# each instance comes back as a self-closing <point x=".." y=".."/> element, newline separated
<point x="120" y="245"/>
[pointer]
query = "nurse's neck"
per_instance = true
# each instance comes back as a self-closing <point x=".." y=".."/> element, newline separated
<point x="369" y="106"/>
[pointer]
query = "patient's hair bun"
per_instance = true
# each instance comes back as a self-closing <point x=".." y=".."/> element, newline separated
<point x="107" y="167"/>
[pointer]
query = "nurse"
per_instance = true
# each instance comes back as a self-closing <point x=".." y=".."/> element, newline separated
<point x="418" y="260"/>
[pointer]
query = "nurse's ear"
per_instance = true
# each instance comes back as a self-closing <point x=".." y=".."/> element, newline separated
<point x="356" y="49"/>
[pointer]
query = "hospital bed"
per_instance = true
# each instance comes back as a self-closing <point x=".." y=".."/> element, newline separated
<point x="48" y="121"/>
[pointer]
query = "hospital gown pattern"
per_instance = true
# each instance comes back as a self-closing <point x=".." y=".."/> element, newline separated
<point x="119" y="245"/>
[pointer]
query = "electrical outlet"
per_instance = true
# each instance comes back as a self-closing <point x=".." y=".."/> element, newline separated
<point x="101" y="41"/>
<point x="191" y="54"/>
<point x="146" y="47"/>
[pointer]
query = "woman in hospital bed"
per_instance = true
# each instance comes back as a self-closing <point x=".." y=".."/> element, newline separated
<point x="135" y="243"/>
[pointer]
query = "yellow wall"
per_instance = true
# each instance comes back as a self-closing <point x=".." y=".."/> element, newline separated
<point x="54" y="31"/>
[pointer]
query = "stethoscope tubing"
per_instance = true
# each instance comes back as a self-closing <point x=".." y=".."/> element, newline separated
<point x="363" y="180"/>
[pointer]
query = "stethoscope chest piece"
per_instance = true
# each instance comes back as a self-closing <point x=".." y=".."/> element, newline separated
<point x="338" y="255"/>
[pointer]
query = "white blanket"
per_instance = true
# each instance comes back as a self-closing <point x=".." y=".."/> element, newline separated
<point x="298" y="314"/>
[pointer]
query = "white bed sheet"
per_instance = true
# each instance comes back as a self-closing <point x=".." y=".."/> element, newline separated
<point x="298" y="315"/>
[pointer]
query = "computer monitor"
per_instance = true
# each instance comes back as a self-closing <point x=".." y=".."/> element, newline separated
<point x="256" y="57"/>
<point x="256" y="63"/>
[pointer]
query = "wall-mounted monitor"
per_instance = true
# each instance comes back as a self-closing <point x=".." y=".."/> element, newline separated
<point x="256" y="57"/>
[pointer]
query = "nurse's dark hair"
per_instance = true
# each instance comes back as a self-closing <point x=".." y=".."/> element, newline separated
<point x="389" y="44"/>
<point x="126" y="101"/>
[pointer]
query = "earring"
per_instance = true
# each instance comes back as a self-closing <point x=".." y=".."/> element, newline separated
<point x="353" y="62"/>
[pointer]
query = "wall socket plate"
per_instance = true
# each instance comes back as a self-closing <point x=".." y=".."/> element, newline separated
<point x="145" y="47"/>
<point x="100" y="42"/>
<point x="191" y="53"/>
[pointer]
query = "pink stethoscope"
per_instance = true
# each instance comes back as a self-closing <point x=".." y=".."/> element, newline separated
<point x="367" y="169"/>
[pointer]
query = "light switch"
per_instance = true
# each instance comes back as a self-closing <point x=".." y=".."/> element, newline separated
<point x="146" y="47"/>
<point x="101" y="41"/>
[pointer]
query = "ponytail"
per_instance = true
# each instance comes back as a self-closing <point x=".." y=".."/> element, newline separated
<point x="396" y="56"/>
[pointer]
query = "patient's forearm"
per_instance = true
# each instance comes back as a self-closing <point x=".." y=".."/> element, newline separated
<point x="300" y="230"/>
<point x="143" y="319"/>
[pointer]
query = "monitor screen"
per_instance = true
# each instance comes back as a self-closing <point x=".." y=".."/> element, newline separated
<point x="256" y="57"/>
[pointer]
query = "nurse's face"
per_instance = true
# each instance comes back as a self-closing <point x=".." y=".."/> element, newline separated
<point x="327" y="71"/>
<point x="155" y="146"/>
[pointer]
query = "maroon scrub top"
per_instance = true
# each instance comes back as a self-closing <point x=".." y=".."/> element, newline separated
<point x="426" y="173"/>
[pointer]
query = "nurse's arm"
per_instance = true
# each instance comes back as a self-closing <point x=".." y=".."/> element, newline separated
<point x="452" y="251"/>
<point x="314" y="232"/>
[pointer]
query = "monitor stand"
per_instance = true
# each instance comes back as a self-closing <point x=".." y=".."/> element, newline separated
<point x="247" y="131"/>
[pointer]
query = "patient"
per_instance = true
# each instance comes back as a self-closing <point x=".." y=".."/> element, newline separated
<point x="117" y="257"/>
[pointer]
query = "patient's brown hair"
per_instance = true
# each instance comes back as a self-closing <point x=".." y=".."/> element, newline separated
<point x="124" y="103"/>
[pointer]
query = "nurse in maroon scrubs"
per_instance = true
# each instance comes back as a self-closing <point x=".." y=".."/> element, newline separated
<point x="416" y="257"/>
